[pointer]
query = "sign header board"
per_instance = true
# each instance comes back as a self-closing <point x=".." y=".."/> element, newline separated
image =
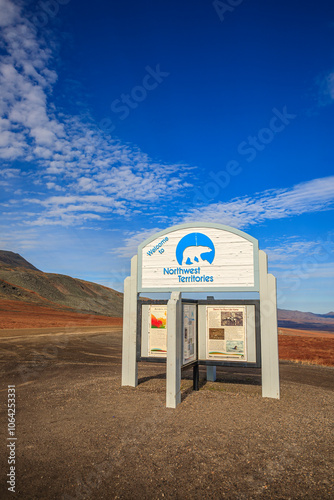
<point x="198" y="257"/>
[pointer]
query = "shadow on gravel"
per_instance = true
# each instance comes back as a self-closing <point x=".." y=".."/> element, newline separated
<point x="160" y="376"/>
<point x="239" y="376"/>
<point x="224" y="375"/>
<point x="229" y="376"/>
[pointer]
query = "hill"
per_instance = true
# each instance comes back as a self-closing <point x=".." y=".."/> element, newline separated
<point x="305" y="320"/>
<point x="21" y="281"/>
<point x="14" y="260"/>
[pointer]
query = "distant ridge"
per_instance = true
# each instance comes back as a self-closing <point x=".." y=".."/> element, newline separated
<point x="328" y="315"/>
<point x="22" y="282"/>
<point x="305" y="320"/>
<point x="15" y="260"/>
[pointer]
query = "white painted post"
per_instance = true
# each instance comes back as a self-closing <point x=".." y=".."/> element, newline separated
<point x="211" y="373"/>
<point x="129" y="350"/>
<point x="269" y="334"/>
<point x="126" y="330"/>
<point x="174" y="350"/>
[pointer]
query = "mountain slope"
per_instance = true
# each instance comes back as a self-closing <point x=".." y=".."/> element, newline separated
<point x="21" y="281"/>
<point x="14" y="260"/>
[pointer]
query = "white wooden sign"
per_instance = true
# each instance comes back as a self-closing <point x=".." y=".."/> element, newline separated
<point x="201" y="257"/>
<point x="197" y="258"/>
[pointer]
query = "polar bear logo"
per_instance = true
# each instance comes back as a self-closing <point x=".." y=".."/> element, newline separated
<point x="195" y="248"/>
<point x="193" y="255"/>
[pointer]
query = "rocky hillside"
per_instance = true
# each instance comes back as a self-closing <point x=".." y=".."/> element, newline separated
<point x="21" y="281"/>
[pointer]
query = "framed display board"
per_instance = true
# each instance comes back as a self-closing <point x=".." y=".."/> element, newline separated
<point x="157" y="331"/>
<point x="226" y="333"/>
<point x="189" y="333"/>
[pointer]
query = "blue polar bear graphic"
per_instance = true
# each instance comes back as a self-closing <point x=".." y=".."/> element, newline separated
<point x="193" y="255"/>
<point x="195" y="248"/>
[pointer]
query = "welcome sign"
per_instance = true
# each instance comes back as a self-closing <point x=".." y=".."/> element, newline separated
<point x="198" y="258"/>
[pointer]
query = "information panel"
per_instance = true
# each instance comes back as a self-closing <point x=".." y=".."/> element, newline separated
<point x="157" y="331"/>
<point x="189" y="333"/>
<point x="226" y="333"/>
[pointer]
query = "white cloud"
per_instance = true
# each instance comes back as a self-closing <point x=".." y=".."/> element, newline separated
<point x="12" y="239"/>
<point x="52" y="185"/>
<point x="60" y="218"/>
<point x="289" y="249"/>
<point x="330" y="85"/>
<point x="73" y="210"/>
<point x="312" y="196"/>
<point x="296" y="261"/>
<point x="326" y="89"/>
<point x="67" y="146"/>
<point x="301" y="270"/>
<point x="9" y="13"/>
<point x="306" y="197"/>
<point x="102" y="177"/>
<point x="7" y="173"/>
<point x="132" y="240"/>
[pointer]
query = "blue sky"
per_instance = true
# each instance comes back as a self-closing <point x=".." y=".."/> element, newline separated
<point x="120" y="119"/>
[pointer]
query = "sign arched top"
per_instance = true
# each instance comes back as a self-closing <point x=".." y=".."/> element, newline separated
<point x="199" y="257"/>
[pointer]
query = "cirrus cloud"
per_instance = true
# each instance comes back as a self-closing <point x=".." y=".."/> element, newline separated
<point x="70" y="149"/>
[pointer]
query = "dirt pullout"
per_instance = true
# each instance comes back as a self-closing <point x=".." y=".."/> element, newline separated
<point x="17" y="314"/>
<point x="81" y="435"/>
<point x="306" y="347"/>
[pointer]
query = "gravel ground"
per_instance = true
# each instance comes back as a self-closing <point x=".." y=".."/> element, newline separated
<point x="81" y="435"/>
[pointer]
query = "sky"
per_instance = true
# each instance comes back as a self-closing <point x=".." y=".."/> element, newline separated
<point x="121" y="119"/>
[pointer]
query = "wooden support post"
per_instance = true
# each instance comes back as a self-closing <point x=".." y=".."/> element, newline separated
<point x="129" y="348"/>
<point x="174" y="350"/>
<point x="269" y="334"/>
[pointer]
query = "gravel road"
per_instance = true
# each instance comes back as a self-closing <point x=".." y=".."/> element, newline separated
<point x="80" y="435"/>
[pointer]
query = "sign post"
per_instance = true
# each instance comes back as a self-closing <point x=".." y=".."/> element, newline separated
<point x="269" y="339"/>
<point x="174" y="350"/>
<point x="129" y="348"/>
<point x="201" y="257"/>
